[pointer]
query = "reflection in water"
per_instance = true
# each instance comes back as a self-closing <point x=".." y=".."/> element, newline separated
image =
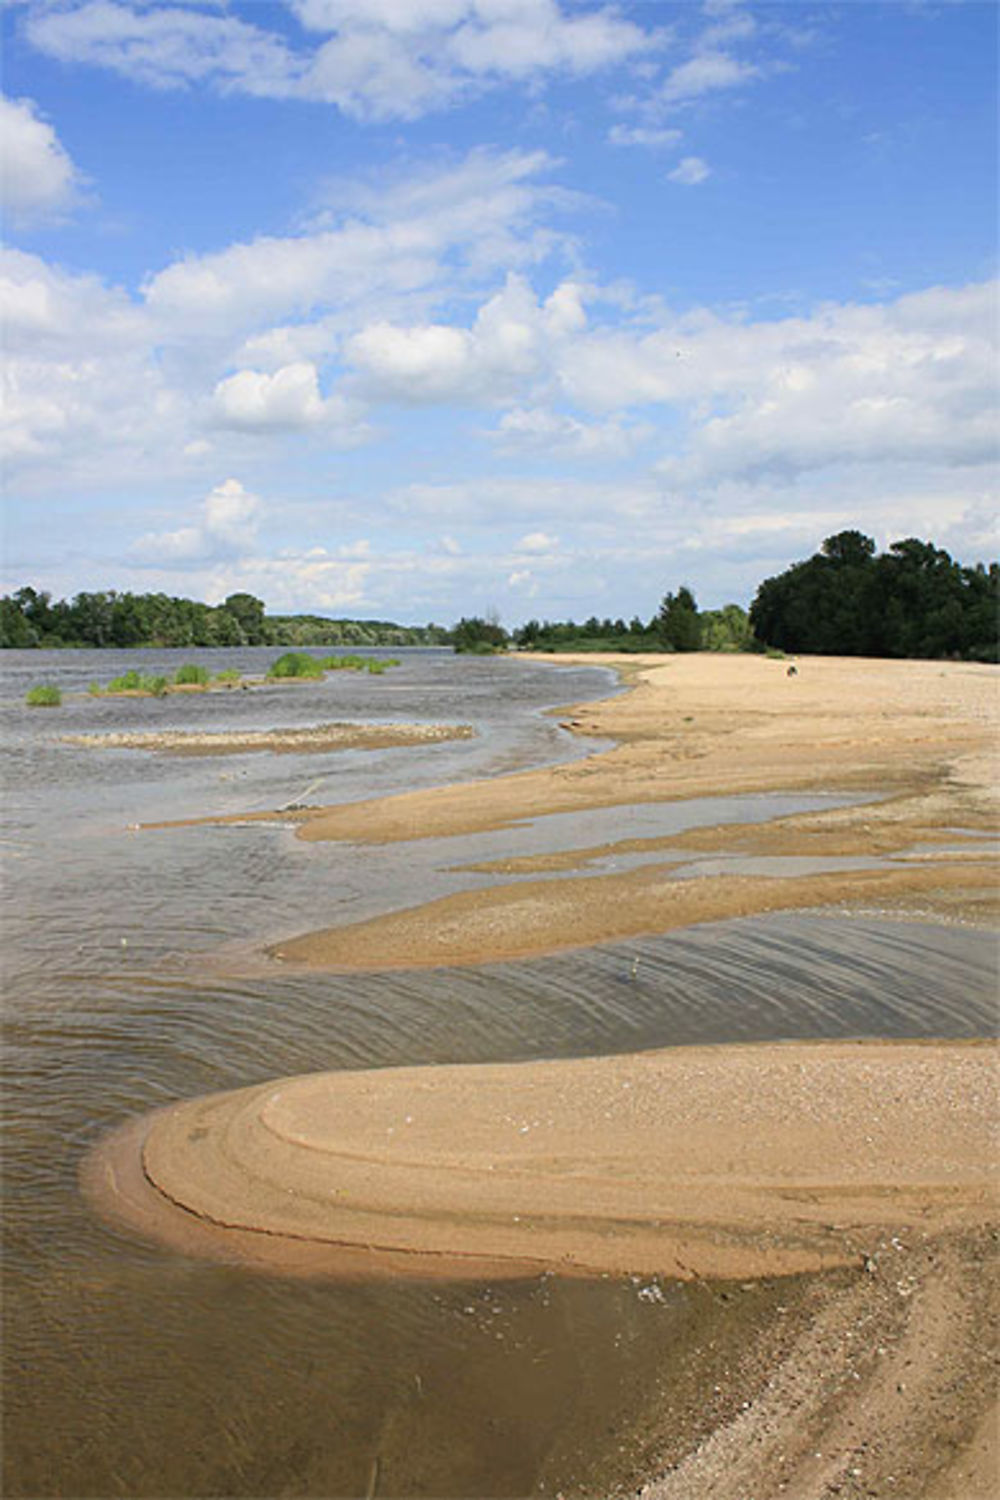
<point x="132" y="1371"/>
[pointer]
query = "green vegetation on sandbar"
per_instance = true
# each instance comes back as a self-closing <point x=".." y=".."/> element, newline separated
<point x="143" y="684"/>
<point x="43" y="695"/>
<point x="228" y="675"/>
<point x="191" y="675"/>
<point x="371" y="664"/>
<point x="296" y="664"/>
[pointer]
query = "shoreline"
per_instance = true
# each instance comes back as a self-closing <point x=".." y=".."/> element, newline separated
<point x="818" y="1155"/>
<point x="917" y="739"/>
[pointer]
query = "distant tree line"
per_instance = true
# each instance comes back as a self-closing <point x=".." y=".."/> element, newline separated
<point x="912" y="600"/>
<point x="32" y="618"/>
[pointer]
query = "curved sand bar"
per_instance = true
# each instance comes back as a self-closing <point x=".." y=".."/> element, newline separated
<point x="722" y="1161"/>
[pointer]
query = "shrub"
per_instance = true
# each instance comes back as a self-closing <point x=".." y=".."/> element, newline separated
<point x="230" y="674"/>
<point x="43" y="696"/>
<point x="190" y="675"/>
<point x="343" y="663"/>
<point x="135" y="682"/>
<point x="295" y="664"/>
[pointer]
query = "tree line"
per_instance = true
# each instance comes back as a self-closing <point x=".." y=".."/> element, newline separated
<point x="31" y="617"/>
<point x="913" y="600"/>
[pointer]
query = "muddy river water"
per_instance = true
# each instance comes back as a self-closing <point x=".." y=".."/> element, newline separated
<point x="132" y="978"/>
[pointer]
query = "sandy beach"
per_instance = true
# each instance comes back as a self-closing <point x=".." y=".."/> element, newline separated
<point x="872" y="1165"/>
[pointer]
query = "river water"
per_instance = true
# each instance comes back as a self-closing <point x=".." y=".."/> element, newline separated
<point x="129" y="982"/>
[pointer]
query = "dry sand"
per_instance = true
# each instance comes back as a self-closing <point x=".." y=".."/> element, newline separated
<point x="730" y="1161"/>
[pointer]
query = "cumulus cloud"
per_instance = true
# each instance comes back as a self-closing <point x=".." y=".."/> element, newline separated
<point x="510" y="343"/>
<point x="370" y="58"/>
<point x="912" y="379"/>
<point x="400" y="242"/>
<point x="690" y="170"/>
<point x="226" y="527"/>
<point x="288" y="400"/>
<point x="38" y="181"/>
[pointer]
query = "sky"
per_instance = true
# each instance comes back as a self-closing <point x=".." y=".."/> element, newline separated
<point x="415" y="309"/>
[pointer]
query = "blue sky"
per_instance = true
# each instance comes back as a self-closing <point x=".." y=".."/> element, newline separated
<point x="420" y="308"/>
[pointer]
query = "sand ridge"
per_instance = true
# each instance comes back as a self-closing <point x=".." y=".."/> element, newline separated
<point x="701" y="1161"/>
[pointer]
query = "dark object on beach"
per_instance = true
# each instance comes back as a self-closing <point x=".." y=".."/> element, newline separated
<point x="792" y="672"/>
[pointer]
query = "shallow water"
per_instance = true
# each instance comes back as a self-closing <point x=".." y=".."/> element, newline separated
<point x="133" y="1371"/>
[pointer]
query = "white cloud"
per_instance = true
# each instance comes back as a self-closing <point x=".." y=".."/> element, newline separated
<point x="405" y="243"/>
<point x="511" y="341"/>
<point x="289" y="400"/>
<point x="689" y="171"/>
<point x="370" y="58"/>
<point x="543" y="431"/>
<point x="38" y="181"/>
<point x="537" y="541"/>
<point x="226" y="527"/>
<point x="81" y="386"/>
<point x="643" y="135"/>
<point x="167" y="46"/>
<point x="706" y="73"/>
<point x="908" y="380"/>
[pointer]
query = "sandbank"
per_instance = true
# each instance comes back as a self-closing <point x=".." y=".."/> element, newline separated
<point x="873" y="1162"/>
<point x="314" y="739"/>
<point x="917" y="739"/>
<point x="690" y="1162"/>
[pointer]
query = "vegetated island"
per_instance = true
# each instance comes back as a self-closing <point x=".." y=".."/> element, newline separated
<point x="873" y="1160"/>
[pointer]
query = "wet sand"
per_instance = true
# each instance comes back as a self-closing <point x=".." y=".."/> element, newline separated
<point x="317" y="739"/>
<point x="920" y="738"/>
<point x="691" y="1162"/>
<point x="726" y="1162"/>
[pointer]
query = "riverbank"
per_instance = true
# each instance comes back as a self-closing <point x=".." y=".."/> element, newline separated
<point x="876" y="1160"/>
<point x="917" y="742"/>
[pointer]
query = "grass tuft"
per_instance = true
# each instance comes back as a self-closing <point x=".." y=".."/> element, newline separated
<point x="190" y="675"/>
<point x="43" y="695"/>
<point x="296" y="664"/>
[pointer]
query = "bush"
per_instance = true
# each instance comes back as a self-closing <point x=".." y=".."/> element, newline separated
<point x="295" y="664"/>
<point x="230" y="674"/>
<point x="344" y="663"/>
<point x="43" y="696"/>
<point x="135" y="682"/>
<point x="190" y="675"/>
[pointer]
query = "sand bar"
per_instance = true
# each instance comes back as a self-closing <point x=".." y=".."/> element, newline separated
<point x="919" y="738"/>
<point x="723" y="1161"/>
<point x="314" y="739"/>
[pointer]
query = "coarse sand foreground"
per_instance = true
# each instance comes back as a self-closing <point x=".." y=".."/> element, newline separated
<point x="693" y="1162"/>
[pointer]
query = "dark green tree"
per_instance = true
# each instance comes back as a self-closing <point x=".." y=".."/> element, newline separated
<point x="249" y="614"/>
<point x="678" y="623"/>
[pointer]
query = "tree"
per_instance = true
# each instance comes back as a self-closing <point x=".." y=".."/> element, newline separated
<point x="678" y="624"/>
<point x="913" y="600"/>
<point x="249" y="614"/>
<point x="475" y="634"/>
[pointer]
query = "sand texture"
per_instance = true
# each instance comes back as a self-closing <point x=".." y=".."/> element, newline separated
<point x="316" y="739"/>
<point x="724" y="1161"/>
<point x="873" y="1165"/>
<point x="920" y="738"/>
